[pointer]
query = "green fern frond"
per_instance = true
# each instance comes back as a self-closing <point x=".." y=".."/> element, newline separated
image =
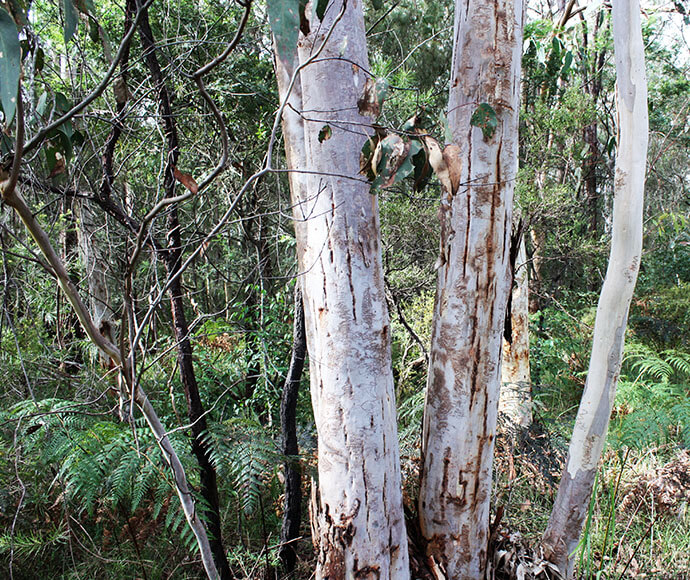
<point x="31" y="544"/>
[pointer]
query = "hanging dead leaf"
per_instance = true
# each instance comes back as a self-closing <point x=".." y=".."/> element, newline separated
<point x="445" y="162"/>
<point x="451" y="155"/>
<point x="121" y="91"/>
<point x="373" y="95"/>
<point x="186" y="179"/>
<point x="59" y="166"/>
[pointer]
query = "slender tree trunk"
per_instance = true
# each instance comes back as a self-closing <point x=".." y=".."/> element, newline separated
<point x="472" y="290"/>
<point x="358" y="509"/>
<point x="94" y="264"/>
<point x="565" y="525"/>
<point x="173" y="261"/>
<point x="292" y="506"/>
<point x="516" y="389"/>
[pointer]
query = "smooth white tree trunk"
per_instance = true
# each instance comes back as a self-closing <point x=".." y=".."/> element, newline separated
<point x="516" y="388"/>
<point x="472" y="290"/>
<point x="357" y="512"/>
<point x="565" y="525"/>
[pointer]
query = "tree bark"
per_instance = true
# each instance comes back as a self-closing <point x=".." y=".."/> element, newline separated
<point x="358" y="509"/>
<point x="94" y="264"/>
<point x="516" y="388"/>
<point x="472" y="290"/>
<point x="591" y="425"/>
<point x="292" y="506"/>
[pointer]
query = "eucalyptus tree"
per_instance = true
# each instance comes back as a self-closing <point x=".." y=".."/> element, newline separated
<point x="589" y="435"/>
<point x="357" y="512"/>
<point x="473" y="286"/>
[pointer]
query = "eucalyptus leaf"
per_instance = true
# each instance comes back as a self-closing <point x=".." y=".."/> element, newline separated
<point x="71" y="19"/>
<point x="320" y="7"/>
<point x="485" y="118"/>
<point x="10" y="64"/>
<point x="284" y="18"/>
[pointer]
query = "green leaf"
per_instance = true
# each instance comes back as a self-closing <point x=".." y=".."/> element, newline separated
<point x="422" y="168"/>
<point x="10" y="64"/>
<point x="485" y="118"/>
<point x="42" y="103"/>
<point x="320" y="6"/>
<point x="407" y="166"/>
<point x="378" y="4"/>
<point x="61" y="103"/>
<point x="71" y="19"/>
<point x="40" y="59"/>
<point x="567" y="62"/>
<point x="325" y="133"/>
<point x="284" y="18"/>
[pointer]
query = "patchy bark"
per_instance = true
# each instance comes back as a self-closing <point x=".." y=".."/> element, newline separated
<point x="472" y="290"/>
<point x="358" y="508"/>
<point x="565" y="525"/>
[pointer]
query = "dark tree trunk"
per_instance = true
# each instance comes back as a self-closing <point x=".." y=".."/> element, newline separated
<point x="592" y="85"/>
<point x="292" y="507"/>
<point x="173" y="259"/>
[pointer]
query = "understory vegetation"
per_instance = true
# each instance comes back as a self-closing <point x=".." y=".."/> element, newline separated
<point x="86" y="494"/>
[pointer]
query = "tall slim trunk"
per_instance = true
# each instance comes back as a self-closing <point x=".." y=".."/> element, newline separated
<point x="172" y="256"/>
<point x="516" y="389"/>
<point x="292" y="506"/>
<point x="565" y="525"/>
<point x="358" y="508"/>
<point x="95" y="265"/>
<point x="472" y="289"/>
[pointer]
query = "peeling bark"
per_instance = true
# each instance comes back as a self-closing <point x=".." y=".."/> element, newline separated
<point x="472" y="291"/>
<point x="358" y="508"/>
<point x="591" y="425"/>
<point x="516" y="388"/>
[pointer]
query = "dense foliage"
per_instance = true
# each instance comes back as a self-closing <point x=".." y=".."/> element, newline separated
<point x="84" y="494"/>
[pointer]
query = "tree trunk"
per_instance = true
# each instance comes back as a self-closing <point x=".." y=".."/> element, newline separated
<point x="472" y="290"/>
<point x="292" y="506"/>
<point x="94" y="264"/>
<point x="359" y="514"/>
<point x="565" y="525"/>
<point x="516" y="389"/>
<point x="172" y="256"/>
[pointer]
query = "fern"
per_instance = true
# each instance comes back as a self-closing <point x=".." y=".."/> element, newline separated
<point x="246" y="456"/>
<point x="652" y="402"/>
<point x="31" y="544"/>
